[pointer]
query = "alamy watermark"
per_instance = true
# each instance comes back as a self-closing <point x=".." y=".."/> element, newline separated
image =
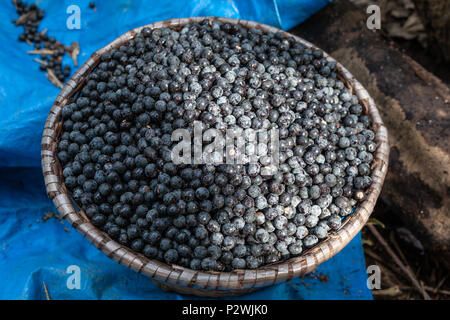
<point x="373" y="277"/>
<point x="74" y="20"/>
<point x="74" y="279"/>
<point x="234" y="146"/>
<point x="374" y="20"/>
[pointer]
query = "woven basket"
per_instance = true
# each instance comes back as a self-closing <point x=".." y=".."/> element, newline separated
<point x="184" y="280"/>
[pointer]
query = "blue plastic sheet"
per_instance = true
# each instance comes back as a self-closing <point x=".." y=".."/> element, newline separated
<point x="33" y="251"/>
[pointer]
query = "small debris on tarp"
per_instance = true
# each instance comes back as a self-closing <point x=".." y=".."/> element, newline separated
<point x="51" y="214"/>
<point x="74" y="50"/>
<point x="47" y="295"/>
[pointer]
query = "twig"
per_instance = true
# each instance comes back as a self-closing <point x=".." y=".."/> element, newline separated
<point x="441" y="88"/>
<point x="440" y="283"/>
<point x="25" y="17"/>
<point x="373" y="255"/>
<point x="40" y="61"/>
<point x="408" y="272"/>
<point x="446" y="292"/>
<point x="47" y="295"/>
<point x="367" y="242"/>
<point x="418" y="271"/>
<point x="430" y="289"/>
<point x="397" y="248"/>
<point x="376" y="222"/>
<point x="388" y="271"/>
<point x="392" y="291"/>
<point x="74" y="50"/>
<point x="53" y="79"/>
<point x="42" y="51"/>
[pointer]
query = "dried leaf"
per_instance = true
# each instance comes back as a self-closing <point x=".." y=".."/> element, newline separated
<point x="47" y="295"/>
<point x="390" y="292"/>
<point x="413" y="24"/>
<point x="25" y="17"/>
<point x="40" y="61"/>
<point x="361" y="2"/>
<point x="53" y="79"/>
<point x="408" y="4"/>
<point x="376" y="222"/>
<point x="15" y="4"/>
<point x="74" y="50"/>
<point x="395" y="30"/>
<point x="43" y="51"/>
<point x="399" y="13"/>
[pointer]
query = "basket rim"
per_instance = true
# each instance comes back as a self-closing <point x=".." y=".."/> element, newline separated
<point x="180" y="276"/>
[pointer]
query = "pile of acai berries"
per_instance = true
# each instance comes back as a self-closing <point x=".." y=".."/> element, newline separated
<point x="117" y="136"/>
<point x="52" y="51"/>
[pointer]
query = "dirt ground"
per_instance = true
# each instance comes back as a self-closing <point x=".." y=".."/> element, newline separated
<point x="395" y="283"/>
<point x="408" y="271"/>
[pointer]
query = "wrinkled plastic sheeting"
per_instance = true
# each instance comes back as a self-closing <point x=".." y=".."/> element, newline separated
<point x="26" y="96"/>
<point x="33" y="251"/>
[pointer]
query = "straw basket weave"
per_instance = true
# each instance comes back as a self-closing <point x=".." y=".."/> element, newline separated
<point x="184" y="280"/>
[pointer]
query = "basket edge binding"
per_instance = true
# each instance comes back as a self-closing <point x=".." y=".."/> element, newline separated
<point x="184" y="280"/>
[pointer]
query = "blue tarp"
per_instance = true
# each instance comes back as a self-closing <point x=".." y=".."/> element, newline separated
<point x="33" y="251"/>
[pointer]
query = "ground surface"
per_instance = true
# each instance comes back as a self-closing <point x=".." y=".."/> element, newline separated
<point x="402" y="26"/>
<point x="395" y="284"/>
